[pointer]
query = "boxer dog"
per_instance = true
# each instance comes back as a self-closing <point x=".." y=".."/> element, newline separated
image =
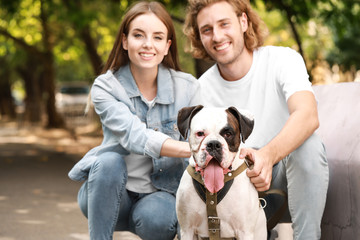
<point x="215" y="135"/>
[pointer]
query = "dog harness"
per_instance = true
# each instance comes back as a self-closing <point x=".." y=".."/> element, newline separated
<point x="212" y="199"/>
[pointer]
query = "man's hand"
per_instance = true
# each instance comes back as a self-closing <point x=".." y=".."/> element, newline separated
<point x="261" y="173"/>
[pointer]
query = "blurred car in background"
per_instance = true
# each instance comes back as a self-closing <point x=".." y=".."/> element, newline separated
<point x="71" y="98"/>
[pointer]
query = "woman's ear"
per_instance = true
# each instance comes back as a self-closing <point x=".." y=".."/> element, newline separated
<point x="124" y="42"/>
<point x="168" y="44"/>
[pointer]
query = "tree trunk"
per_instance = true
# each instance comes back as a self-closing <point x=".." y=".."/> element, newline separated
<point x="33" y="94"/>
<point x="90" y="46"/>
<point x="54" y="119"/>
<point x="7" y="106"/>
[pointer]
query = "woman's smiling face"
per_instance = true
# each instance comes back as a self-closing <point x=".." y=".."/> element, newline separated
<point x="147" y="41"/>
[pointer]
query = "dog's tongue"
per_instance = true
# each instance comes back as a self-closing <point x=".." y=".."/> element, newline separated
<point x="213" y="176"/>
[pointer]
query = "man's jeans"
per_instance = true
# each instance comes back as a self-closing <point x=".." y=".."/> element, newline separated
<point x="304" y="175"/>
<point x="108" y="206"/>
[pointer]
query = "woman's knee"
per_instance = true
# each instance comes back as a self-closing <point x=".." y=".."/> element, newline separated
<point x="109" y="168"/>
<point x="154" y="217"/>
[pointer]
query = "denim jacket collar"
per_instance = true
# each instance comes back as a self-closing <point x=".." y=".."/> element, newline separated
<point x="165" y="88"/>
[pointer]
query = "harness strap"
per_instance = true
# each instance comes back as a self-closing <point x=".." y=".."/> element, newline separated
<point x="229" y="176"/>
<point x="201" y="190"/>
<point x="228" y="179"/>
<point x="212" y="199"/>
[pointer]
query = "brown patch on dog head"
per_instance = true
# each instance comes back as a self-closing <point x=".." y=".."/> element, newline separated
<point x="246" y="124"/>
<point x="231" y="133"/>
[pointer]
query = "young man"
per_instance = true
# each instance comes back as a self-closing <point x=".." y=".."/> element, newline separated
<point x="271" y="83"/>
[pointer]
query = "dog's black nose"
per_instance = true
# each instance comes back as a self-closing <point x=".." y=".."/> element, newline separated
<point x="213" y="146"/>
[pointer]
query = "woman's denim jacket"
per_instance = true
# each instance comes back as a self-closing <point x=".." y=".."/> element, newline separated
<point x="129" y="125"/>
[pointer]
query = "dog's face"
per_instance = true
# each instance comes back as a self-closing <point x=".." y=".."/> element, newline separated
<point x="215" y="135"/>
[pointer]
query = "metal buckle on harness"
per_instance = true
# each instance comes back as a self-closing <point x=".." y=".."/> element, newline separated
<point x="215" y="223"/>
<point x="214" y="219"/>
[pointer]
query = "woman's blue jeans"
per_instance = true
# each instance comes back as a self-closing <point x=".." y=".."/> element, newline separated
<point x="107" y="204"/>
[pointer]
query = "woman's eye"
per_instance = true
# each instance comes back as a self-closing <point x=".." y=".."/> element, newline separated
<point x="138" y="35"/>
<point x="200" y="134"/>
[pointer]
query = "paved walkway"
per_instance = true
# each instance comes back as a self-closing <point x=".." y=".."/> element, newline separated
<point x="37" y="199"/>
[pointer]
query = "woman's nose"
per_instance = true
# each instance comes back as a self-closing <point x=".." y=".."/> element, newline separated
<point x="148" y="43"/>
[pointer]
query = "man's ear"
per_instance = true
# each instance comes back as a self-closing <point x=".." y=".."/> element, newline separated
<point x="246" y="124"/>
<point x="243" y="19"/>
<point x="184" y="118"/>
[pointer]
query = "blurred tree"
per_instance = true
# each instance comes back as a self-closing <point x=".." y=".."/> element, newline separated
<point x="343" y="17"/>
<point x="7" y="107"/>
<point x="58" y="41"/>
<point x="38" y="47"/>
<point x="81" y="21"/>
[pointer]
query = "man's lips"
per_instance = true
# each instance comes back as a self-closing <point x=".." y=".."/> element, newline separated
<point x="222" y="46"/>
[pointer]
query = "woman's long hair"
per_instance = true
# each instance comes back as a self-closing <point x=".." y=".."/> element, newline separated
<point x="119" y="56"/>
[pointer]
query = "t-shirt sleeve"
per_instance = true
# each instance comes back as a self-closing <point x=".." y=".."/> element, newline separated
<point x="293" y="76"/>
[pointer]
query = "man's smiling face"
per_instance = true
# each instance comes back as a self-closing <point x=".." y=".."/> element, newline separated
<point x="222" y="32"/>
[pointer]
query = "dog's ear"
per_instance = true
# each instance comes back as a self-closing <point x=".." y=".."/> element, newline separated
<point x="184" y="118"/>
<point x="246" y="124"/>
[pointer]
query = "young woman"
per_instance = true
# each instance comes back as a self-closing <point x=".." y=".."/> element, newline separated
<point x="132" y="177"/>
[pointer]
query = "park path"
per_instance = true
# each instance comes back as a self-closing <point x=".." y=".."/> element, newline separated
<point x="37" y="199"/>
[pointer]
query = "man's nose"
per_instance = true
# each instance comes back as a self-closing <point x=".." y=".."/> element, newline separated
<point x="217" y="34"/>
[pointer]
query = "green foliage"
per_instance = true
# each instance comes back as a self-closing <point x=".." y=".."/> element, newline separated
<point x="343" y="19"/>
<point x="327" y="29"/>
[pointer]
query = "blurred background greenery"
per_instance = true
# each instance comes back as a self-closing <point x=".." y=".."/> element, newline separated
<point x="47" y="43"/>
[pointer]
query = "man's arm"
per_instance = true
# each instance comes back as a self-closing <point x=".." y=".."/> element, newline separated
<point x="302" y="123"/>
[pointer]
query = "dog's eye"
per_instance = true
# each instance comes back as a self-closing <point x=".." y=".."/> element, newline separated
<point x="200" y="134"/>
<point x="227" y="134"/>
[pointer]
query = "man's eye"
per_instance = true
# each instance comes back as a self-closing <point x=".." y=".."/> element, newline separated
<point x="200" y="134"/>
<point x="205" y="30"/>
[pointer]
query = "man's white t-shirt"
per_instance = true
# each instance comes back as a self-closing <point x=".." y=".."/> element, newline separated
<point x="276" y="73"/>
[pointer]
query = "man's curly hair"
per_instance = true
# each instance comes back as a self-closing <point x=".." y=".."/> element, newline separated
<point x="254" y="36"/>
